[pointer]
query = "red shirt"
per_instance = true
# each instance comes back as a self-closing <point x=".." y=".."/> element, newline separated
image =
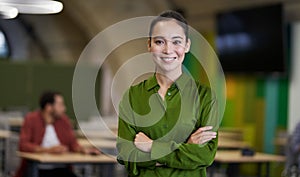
<point x="33" y="131"/>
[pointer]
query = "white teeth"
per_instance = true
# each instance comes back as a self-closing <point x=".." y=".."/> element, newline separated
<point x="168" y="58"/>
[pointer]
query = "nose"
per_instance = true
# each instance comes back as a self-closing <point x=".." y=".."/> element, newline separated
<point x="167" y="48"/>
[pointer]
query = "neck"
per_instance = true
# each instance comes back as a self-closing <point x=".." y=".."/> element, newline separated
<point x="167" y="79"/>
<point x="48" y="118"/>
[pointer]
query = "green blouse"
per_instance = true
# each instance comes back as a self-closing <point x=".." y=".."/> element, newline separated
<point x="168" y="122"/>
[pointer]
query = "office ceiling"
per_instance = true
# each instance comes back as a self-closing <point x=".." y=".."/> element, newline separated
<point x="93" y="16"/>
<point x="65" y="35"/>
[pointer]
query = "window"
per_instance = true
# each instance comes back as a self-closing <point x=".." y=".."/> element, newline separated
<point x="4" y="48"/>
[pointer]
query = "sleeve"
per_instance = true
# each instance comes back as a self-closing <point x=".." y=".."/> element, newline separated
<point x="25" y="144"/>
<point x="191" y="156"/>
<point x="72" y="141"/>
<point x="128" y="154"/>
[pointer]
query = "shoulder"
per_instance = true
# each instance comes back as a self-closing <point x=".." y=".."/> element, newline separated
<point x="204" y="90"/>
<point x="35" y="115"/>
<point x="63" y="123"/>
<point x="201" y="89"/>
<point x="33" y="119"/>
<point x="141" y="85"/>
<point x="136" y="95"/>
<point x="65" y="119"/>
<point x="204" y="93"/>
<point x="139" y="89"/>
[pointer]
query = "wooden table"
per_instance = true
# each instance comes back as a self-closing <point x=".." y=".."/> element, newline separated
<point x="4" y="134"/>
<point x="107" y="146"/>
<point x="100" y="143"/>
<point x="94" y="134"/>
<point x="34" y="159"/>
<point x="111" y="143"/>
<point x="16" y="122"/>
<point x="233" y="158"/>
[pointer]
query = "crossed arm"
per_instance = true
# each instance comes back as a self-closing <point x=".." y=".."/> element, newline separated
<point x="201" y="136"/>
<point x="141" y="151"/>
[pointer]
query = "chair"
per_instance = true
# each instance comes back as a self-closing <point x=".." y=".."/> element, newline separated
<point x="4" y="128"/>
<point x="12" y="159"/>
<point x="9" y="147"/>
<point x="291" y="166"/>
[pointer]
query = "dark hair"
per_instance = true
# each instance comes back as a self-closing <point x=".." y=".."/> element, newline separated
<point x="48" y="98"/>
<point x="169" y="15"/>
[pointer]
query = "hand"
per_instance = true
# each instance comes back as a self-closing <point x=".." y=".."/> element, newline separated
<point x="202" y="135"/>
<point x="158" y="164"/>
<point x="59" y="149"/>
<point x="143" y="142"/>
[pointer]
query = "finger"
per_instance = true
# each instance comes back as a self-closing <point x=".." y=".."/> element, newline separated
<point x="63" y="148"/>
<point x="209" y="133"/>
<point x="206" y="128"/>
<point x="141" y="133"/>
<point x="96" y="151"/>
<point x="198" y="137"/>
<point x="138" y="135"/>
<point x="205" y="141"/>
<point x="205" y="133"/>
<point x="138" y="139"/>
<point x="204" y="136"/>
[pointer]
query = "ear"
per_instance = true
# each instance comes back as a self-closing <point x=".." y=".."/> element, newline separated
<point x="188" y="45"/>
<point x="149" y="44"/>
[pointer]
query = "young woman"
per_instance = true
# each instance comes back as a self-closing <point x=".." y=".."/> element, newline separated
<point x="163" y="120"/>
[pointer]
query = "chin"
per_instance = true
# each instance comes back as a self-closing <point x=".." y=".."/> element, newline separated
<point x="167" y="69"/>
<point x="57" y="116"/>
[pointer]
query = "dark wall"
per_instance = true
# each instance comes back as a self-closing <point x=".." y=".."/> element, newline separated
<point x="21" y="83"/>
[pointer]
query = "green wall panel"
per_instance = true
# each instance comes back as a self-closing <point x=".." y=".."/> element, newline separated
<point x="22" y="83"/>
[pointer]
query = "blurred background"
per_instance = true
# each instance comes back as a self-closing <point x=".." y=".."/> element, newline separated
<point x="257" y="41"/>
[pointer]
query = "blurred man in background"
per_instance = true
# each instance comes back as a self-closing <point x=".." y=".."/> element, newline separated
<point x="49" y="130"/>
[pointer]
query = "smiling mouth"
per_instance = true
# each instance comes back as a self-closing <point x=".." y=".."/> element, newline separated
<point x="168" y="58"/>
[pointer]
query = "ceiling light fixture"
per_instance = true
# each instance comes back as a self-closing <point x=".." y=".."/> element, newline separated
<point x="8" y="12"/>
<point x="34" y="6"/>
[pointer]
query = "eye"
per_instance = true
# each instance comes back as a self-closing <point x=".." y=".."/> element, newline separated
<point x="177" y="42"/>
<point x="159" y="42"/>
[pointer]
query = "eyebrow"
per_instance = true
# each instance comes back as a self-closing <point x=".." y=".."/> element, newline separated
<point x="164" y="37"/>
